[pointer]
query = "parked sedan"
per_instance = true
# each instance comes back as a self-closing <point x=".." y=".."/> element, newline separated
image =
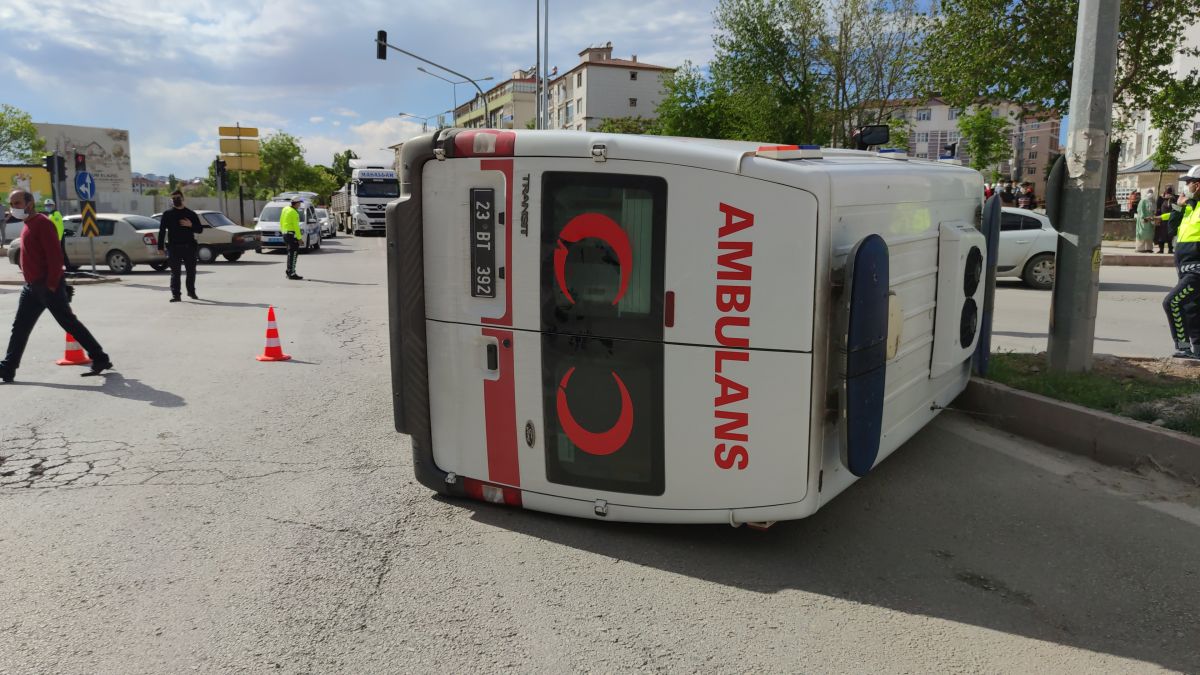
<point x="1028" y="245"/>
<point x="222" y="237"/>
<point x="125" y="240"/>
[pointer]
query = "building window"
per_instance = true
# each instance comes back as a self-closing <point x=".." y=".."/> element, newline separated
<point x="900" y="115"/>
<point x="1196" y="132"/>
<point x="633" y="103"/>
<point x="1034" y="126"/>
<point x="579" y="79"/>
<point x="954" y="113"/>
<point x="952" y="137"/>
<point x="1033" y="154"/>
<point x="923" y="137"/>
<point x="922" y="155"/>
<point x="1033" y="140"/>
<point x="1030" y="170"/>
<point x="924" y="115"/>
<point x="570" y="112"/>
<point x="632" y="75"/>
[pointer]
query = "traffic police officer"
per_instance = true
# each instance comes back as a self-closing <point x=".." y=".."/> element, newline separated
<point x="1182" y="304"/>
<point x="289" y="225"/>
<point x="55" y="217"/>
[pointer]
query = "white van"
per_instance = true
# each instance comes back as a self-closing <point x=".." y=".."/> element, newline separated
<point x="267" y="223"/>
<point x="655" y="329"/>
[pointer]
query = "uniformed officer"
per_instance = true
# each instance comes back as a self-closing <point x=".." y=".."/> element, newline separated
<point x="289" y="225"/>
<point x="52" y="212"/>
<point x="1182" y="304"/>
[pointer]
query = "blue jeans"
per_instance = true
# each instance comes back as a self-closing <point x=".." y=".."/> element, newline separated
<point x="32" y="303"/>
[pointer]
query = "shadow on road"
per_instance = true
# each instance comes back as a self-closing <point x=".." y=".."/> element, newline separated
<point x="119" y="386"/>
<point x="1018" y="334"/>
<point x="949" y="529"/>
<point x="244" y="262"/>
<point x="339" y="283"/>
<point x="1112" y="287"/>
<point x="226" y="303"/>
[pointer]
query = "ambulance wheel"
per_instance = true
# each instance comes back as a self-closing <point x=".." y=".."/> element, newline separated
<point x="1039" y="272"/>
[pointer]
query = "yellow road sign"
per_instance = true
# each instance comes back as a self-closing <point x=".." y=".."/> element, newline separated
<point x="243" y="132"/>
<point x="242" y="162"/>
<point x="240" y="145"/>
<point x="89" y="220"/>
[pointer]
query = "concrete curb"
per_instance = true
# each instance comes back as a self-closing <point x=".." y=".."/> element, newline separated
<point x="1105" y="438"/>
<point x="1138" y="260"/>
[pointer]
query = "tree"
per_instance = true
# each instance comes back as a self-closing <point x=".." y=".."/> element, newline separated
<point x="985" y="139"/>
<point x="19" y="139"/>
<point x="628" y="125"/>
<point x="340" y="167"/>
<point x="1171" y="113"/>
<point x="283" y="165"/>
<point x="899" y="130"/>
<point x="692" y="105"/>
<point x="1024" y="51"/>
<point x="172" y="182"/>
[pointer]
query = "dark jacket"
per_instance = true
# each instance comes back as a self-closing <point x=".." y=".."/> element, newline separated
<point x="173" y="231"/>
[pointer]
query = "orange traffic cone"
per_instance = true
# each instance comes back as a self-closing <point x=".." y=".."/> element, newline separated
<point x="273" y="351"/>
<point x="74" y="355"/>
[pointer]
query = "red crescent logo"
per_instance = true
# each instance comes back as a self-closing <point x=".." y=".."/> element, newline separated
<point x="605" y="442"/>
<point x="593" y="226"/>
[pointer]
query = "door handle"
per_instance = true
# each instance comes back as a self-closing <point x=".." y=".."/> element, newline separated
<point x="493" y="357"/>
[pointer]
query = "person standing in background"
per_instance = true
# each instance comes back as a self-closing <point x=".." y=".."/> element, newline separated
<point x="1163" y="236"/>
<point x="177" y="231"/>
<point x="1143" y="218"/>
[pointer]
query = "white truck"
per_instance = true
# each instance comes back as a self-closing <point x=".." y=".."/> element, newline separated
<point x="573" y="330"/>
<point x="359" y="205"/>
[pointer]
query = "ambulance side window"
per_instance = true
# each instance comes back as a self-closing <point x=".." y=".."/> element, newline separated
<point x="603" y="239"/>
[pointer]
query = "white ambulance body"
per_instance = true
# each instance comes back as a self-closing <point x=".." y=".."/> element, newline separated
<point x="672" y="330"/>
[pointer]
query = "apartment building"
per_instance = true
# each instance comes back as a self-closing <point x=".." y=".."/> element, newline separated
<point x="600" y="87"/>
<point x="512" y="104"/>
<point x="1140" y="141"/>
<point x="933" y="125"/>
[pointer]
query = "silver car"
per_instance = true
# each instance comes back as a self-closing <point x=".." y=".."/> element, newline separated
<point x="125" y="240"/>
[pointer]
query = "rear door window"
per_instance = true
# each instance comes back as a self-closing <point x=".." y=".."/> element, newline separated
<point x="602" y="252"/>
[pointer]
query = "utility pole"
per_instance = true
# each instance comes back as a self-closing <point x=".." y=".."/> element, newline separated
<point x="537" y="65"/>
<point x="1077" y="282"/>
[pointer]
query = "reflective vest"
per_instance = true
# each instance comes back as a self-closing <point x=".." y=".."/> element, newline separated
<point x="57" y="218"/>
<point x="1189" y="229"/>
<point x="289" y="221"/>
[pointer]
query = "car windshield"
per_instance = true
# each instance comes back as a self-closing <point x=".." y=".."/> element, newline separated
<point x="270" y="214"/>
<point x="142" y="222"/>
<point x="218" y="219"/>
<point x="383" y="188"/>
<point x="322" y="213"/>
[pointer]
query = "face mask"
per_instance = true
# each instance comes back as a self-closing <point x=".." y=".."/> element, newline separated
<point x="177" y="201"/>
<point x="19" y="214"/>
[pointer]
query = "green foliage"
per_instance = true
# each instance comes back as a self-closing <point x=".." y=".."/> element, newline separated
<point x="1024" y="51"/>
<point x="796" y="71"/>
<point x="628" y="125"/>
<point x="340" y="168"/>
<point x="899" y="130"/>
<point x="1171" y="112"/>
<point x="532" y="123"/>
<point x="172" y="183"/>
<point x="984" y="138"/>
<point x="19" y="139"/>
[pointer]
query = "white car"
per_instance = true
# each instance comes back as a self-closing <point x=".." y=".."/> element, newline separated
<point x="267" y="223"/>
<point x="328" y="227"/>
<point x="1028" y="246"/>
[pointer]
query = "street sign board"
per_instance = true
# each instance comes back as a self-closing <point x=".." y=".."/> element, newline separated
<point x="88" y="211"/>
<point x="247" y="146"/>
<point x="241" y="162"/>
<point x="243" y="132"/>
<point x="85" y="185"/>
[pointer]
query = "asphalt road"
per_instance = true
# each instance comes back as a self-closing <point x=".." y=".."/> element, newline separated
<point x="1129" y="317"/>
<point x="199" y="511"/>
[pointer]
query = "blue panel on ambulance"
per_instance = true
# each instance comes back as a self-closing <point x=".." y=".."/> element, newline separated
<point x="866" y="352"/>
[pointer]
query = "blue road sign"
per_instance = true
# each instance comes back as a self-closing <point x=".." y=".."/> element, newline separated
<point x="85" y="186"/>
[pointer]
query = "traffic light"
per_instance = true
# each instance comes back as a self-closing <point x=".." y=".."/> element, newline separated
<point x="381" y="45"/>
<point x="60" y="167"/>
<point x="80" y="162"/>
<point x="222" y="177"/>
<point x="49" y="163"/>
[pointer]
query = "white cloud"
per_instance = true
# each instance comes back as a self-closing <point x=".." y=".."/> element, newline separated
<point x="369" y="140"/>
<point x="344" y="112"/>
<point x="337" y="123"/>
<point x="316" y="120"/>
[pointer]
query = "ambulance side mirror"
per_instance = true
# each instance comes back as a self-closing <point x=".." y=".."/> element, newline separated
<point x="874" y="134"/>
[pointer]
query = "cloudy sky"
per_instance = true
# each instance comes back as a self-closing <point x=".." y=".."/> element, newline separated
<point x="172" y="75"/>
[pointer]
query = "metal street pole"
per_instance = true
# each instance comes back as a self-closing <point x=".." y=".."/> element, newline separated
<point x="546" y="64"/>
<point x="1077" y="282"/>
<point x="455" y="84"/>
<point x="537" y="65"/>
<point x="382" y="43"/>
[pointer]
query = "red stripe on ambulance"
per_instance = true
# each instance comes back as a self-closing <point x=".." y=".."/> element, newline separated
<point x="731" y="425"/>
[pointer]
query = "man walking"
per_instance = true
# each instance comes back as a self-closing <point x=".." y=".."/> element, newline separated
<point x="177" y="231"/>
<point x="1182" y="304"/>
<point x="289" y="225"/>
<point x="45" y="289"/>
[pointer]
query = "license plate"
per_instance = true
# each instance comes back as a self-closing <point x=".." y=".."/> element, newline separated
<point x="483" y="242"/>
<point x="273" y="240"/>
